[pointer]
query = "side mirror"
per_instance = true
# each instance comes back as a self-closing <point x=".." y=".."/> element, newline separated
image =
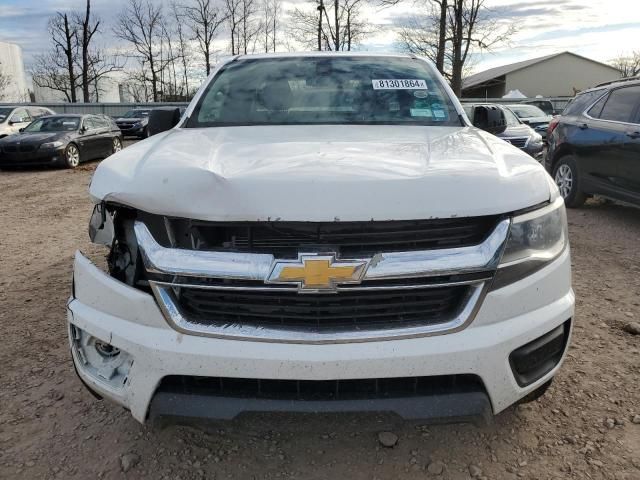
<point x="490" y="118"/>
<point x="21" y="130"/>
<point x="163" y="119"/>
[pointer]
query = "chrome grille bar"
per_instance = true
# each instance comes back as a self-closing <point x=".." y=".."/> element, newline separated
<point x="166" y="297"/>
<point x="256" y="266"/>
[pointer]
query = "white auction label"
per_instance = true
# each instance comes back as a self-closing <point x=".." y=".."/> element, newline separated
<point x="399" y="84"/>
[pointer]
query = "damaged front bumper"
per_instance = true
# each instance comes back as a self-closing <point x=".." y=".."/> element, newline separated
<point x="104" y="311"/>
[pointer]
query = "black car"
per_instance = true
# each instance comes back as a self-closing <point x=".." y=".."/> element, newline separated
<point x="134" y="122"/>
<point x="516" y="132"/>
<point x="545" y="105"/>
<point x="64" y="140"/>
<point x="594" y="147"/>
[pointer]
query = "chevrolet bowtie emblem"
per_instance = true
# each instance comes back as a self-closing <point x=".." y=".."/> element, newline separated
<point x="317" y="273"/>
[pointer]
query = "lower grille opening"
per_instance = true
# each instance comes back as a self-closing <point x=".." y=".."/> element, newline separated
<point x="346" y="310"/>
<point x="537" y="358"/>
<point x="321" y="390"/>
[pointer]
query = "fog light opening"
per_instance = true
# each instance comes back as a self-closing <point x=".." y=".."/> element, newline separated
<point x="534" y="360"/>
<point x="99" y="359"/>
<point x="106" y="350"/>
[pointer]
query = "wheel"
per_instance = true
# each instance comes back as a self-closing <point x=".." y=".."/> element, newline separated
<point x="567" y="177"/>
<point x="116" y="145"/>
<point x="72" y="156"/>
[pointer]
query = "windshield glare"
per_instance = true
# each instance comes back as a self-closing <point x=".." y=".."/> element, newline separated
<point x="527" y="111"/>
<point x="325" y="90"/>
<point x="136" y="114"/>
<point x="54" y="124"/>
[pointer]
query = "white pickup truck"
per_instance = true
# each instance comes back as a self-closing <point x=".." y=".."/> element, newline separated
<point x="323" y="233"/>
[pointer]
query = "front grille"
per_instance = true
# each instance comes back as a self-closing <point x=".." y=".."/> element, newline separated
<point x="321" y="390"/>
<point x="518" y="142"/>
<point x="21" y="148"/>
<point x="361" y="310"/>
<point x="348" y="239"/>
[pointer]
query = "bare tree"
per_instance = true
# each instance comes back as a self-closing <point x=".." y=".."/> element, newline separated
<point x="337" y="25"/>
<point x="5" y="81"/>
<point x="140" y="24"/>
<point x="183" y="48"/>
<point x="271" y="10"/>
<point x="629" y="65"/>
<point x="232" y="13"/>
<point x="88" y="29"/>
<point x="448" y="31"/>
<point x="56" y="70"/>
<point x="204" y="18"/>
<point x="249" y="26"/>
<point x="136" y="86"/>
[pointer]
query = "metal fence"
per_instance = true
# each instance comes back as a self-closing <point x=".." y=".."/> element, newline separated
<point x="111" y="109"/>
<point x="117" y="109"/>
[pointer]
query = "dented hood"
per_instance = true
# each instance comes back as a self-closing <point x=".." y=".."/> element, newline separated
<point x="322" y="173"/>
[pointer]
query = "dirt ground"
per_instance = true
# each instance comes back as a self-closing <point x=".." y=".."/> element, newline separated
<point x="50" y="427"/>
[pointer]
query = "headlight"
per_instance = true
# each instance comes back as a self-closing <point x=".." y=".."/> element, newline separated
<point x="535" y="239"/>
<point x="50" y="145"/>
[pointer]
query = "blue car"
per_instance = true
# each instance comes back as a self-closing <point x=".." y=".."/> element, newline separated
<point x="594" y="147"/>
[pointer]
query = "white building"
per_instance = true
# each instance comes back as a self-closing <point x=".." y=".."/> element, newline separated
<point x="12" y="65"/>
<point x="559" y="75"/>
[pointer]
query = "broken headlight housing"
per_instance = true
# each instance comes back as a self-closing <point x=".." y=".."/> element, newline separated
<point x="535" y="239"/>
<point x="112" y="226"/>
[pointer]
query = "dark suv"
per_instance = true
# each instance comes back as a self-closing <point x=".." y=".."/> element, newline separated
<point x="594" y="147"/>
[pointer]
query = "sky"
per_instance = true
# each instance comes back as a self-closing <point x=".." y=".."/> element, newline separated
<point x="598" y="29"/>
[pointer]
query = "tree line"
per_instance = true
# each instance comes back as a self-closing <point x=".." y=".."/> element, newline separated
<point x="166" y="48"/>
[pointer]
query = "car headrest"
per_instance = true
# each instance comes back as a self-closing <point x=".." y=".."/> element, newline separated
<point x="276" y="95"/>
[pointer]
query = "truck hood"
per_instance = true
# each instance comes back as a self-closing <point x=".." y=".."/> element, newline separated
<point x="322" y="173"/>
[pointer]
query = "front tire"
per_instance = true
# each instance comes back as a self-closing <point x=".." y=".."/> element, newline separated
<point x="567" y="177"/>
<point x="72" y="156"/>
<point x="116" y="145"/>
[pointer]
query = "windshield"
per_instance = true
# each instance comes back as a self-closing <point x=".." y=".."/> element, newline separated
<point x="54" y="124"/>
<point x="4" y="113"/>
<point x="325" y="90"/>
<point x="136" y="114"/>
<point x="512" y="120"/>
<point x="527" y="111"/>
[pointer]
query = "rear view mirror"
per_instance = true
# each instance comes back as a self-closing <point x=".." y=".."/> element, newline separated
<point x="163" y="119"/>
<point x="490" y="118"/>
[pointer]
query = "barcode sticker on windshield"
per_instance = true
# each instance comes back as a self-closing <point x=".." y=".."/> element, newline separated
<point x="399" y="84"/>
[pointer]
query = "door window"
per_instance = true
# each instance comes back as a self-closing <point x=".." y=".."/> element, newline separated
<point x="621" y="104"/>
<point x="596" y="110"/>
<point x="20" y="116"/>
<point x="90" y="123"/>
<point x="580" y="102"/>
<point x="102" y="122"/>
